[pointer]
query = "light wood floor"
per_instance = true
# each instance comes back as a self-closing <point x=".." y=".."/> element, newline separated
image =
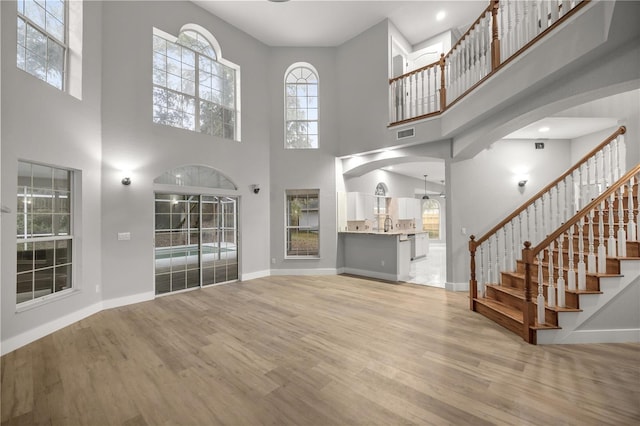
<point x="331" y="350"/>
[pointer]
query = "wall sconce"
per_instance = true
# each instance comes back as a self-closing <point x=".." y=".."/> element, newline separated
<point x="522" y="183"/>
<point x="126" y="181"/>
<point x="255" y="188"/>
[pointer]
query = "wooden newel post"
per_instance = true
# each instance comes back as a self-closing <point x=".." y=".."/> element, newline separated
<point x="528" y="311"/>
<point x="443" y="88"/>
<point x="473" y="283"/>
<point x="495" y="40"/>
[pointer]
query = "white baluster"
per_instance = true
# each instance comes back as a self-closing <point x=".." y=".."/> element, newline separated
<point x="589" y="189"/>
<point x="554" y="11"/>
<point x="571" y="273"/>
<point x="498" y="269"/>
<point x="514" y="247"/>
<point x="482" y="282"/>
<point x="519" y="242"/>
<point x="597" y="182"/>
<point x="602" y="250"/>
<point x="622" y="234"/>
<point x="614" y="161"/>
<point x="489" y="271"/>
<point x="591" y="257"/>
<point x="567" y="195"/>
<point x="622" y="154"/>
<point x="631" y="224"/>
<point x="619" y="165"/>
<point x="551" y="290"/>
<point x="509" y="37"/>
<point x="540" y="298"/>
<point x="536" y="231"/>
<point x="559" y="219"/>
<point x="582" y="270"/>
<point x="561" y="283"/>
<point x="506" y="263"/>
<point x="611" y="246"/>
<point x="516" y="27"/>
<point x="579" y="202"/>
<point x="545" y="219"/>
<point x="606" y="164"/>
<point x="525" y="23"/>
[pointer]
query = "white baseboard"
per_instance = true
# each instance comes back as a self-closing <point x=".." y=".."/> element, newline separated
<point x="15" y="342"/>
<point x="317" y="271"/>
<point x="596" y="336"/>
<point x="255" y="275"/>
<point x="128" y="300"/>
<point x="456" y="286"/>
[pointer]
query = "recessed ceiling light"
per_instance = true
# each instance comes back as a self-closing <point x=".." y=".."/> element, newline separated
<point x="543" y="129"/>
<point x="440" y="15"/>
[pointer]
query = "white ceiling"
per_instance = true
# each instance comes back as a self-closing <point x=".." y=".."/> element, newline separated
<point x="306" y="23"/>
<point x="563" y="127"/>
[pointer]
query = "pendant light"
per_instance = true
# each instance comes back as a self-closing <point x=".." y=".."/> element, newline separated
<point x="425" y="196"/>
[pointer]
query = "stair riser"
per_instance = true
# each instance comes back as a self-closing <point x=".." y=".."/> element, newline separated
<point x="592" y="281"/>
<point x="500" y="318"/>
<point x="506" y="298"/>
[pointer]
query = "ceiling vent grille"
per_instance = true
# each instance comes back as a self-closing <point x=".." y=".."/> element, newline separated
<point x="406" y="133"/>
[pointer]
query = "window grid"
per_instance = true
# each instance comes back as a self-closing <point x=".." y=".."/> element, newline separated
<point x="41" y="40"/>
<point x="302" y="225"/>
<point x="44" y="237"/>
<point x="301" y="97"/>
<point x="192" y="90"/>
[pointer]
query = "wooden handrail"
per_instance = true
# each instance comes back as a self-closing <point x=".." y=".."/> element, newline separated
<point x="410" y="73"/>
<point x="582" y="213"/>
<point x="621" y="131"/>
<point x="476" y="22"/>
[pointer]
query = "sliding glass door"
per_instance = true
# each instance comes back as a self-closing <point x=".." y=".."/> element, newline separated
<point x="195" y="241"/>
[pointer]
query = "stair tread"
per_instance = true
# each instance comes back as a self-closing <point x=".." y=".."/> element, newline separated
<point x="511" y="312"/>
<point x="520" y="294"/>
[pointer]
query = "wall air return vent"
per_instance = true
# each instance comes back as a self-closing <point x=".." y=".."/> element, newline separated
<point x="406" y="133"/>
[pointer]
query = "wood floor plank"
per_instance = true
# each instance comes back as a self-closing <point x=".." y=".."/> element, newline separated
<point x="318" y="350"/>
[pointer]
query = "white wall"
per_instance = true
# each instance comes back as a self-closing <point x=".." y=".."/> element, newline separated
<point x="43" y="124"/>
<point x="484" y="189"/>
<point x="305" y="168"/>
<point x="363" y="86"/>
<point x="132" y="141"/>
<point x="623" y="106"/>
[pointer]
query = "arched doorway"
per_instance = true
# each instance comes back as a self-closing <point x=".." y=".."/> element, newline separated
<point x="196" y="229"/>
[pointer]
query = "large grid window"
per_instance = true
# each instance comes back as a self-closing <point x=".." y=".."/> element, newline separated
<point x="42" y="45"/>
<point x="44" y="231"/>
<point x="301" y="104"/>
<point x="193" y="88"/>
<point x="302" y="223"/>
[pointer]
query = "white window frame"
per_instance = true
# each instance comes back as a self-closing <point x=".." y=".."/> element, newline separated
<point x="74" y="183"/>
<point x="218" y="51"/>
<point x="287" y="73"/>
<point x="63" y="43"/>
<point x="287" y="227"/>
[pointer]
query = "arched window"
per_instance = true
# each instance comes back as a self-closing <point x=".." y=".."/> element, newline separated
<point x="194" y="88"/>
<point x="431" y="218"/>
<point x="301" y="107"/>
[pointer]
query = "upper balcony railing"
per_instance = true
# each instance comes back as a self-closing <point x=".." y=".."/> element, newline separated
<point x="504" y="30"/>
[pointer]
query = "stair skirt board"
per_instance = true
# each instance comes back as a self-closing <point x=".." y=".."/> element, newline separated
<point x="575" y="325"/>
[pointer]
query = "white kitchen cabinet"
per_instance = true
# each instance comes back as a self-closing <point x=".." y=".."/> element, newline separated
<point x="408" y="208"/>
<point x="360" y="206"/>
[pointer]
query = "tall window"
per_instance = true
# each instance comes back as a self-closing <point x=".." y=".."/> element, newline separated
<point x="42" y="39"/>
<point x="302" y="223"/>
<point x="44" y="228"/>
<point x="301" y="103"/>
<point x="431" y="218"/>
<point x="193" y="87"/>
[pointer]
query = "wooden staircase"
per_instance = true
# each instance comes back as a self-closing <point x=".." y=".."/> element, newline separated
<point x="504" y="303"/>
<point x="584" y="256"/>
